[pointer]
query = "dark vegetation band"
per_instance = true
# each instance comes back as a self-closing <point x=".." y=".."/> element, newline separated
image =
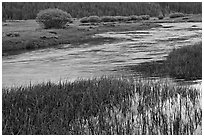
<point x="29" y="10"/>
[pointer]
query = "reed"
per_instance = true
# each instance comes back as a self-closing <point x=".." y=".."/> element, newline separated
<point x="105" y="105"/>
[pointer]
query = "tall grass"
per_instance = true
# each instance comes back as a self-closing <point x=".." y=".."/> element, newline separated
<point x="186" y="62"/>
<point x="104" y="105"/>
<point x="182" y="63"/>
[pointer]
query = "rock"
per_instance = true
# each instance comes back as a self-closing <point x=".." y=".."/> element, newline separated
<point x="198" y="131"/>
<point x="185" y="18"/>
<point x="5" y="54"/>
<point x="91" y="27"/>
<point x="193" y="26"/>
<point x="48" y="37"/>
<point x="5" y="24"/>
<point x="52" y="32"/>
<point x="56" y="37"/>
<point x="43" y="37"/>
<point x="13" y="34"/>
<point x="109" y="24"/>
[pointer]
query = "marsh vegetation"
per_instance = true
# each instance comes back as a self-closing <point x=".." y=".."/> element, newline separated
<point x="183" y="63"/>
<point x="103" y="73"/>
<point x="105" y="105"/>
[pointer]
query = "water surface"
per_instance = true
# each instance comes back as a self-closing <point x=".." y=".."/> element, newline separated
<point x="88" y="61"/>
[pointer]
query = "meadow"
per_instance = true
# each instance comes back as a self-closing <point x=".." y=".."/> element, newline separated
<point x="31" y="36"/>
<point x="104" y="105"/>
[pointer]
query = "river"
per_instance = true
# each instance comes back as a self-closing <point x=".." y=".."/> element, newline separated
<point x="88" y="61"/>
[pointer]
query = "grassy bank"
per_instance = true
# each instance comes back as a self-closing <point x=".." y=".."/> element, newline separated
<point x="18" y="36"/>
<point x="31" y="36"/>
<point x="183" y="63"/>
<point x="101" y="106"/>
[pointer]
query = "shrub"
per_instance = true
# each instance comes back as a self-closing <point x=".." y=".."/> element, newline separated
<point x="176" y="15"/>
<point x="119" y="18"/>
<point x="53" y="18"/>
<point x="108" y="19"/>
<point x="94" y="19"/>
<point x="135" y="17"/>
<point x="84" y="20"/>
<point x="160" y="17"/>
<point x="126" y="18"/>
<point x="122" y="18"/>
<point x="145" y="17"/>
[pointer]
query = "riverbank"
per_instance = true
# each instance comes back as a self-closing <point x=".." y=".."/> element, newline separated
<point x="105" y="105"/>
<point x="31" y="36"/>
<point x="20" y="36"/>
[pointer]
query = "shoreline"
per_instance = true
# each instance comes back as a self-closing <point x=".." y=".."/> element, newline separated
<point x="73" y="34"/>
<point x="25" y="35"/>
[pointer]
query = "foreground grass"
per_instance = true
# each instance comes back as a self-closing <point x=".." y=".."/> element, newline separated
<point x="101" y="106"/>
<point x="183" y="63"/>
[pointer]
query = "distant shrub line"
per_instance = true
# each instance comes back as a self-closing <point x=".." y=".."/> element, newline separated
<point x="97" y="19"/>
<point x="176" y="15"/>
<point x="56" y="18"/>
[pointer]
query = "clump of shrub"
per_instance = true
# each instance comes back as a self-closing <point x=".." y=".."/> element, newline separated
<point x="94" y="19"/>
<point x="53" y="18"/>
<point x="160" y="17"/>
<point x="145" y="17"/>
<point x="84" y="20"/>
<point x="91" y="19"/>
<point x="123" y="18"/>
<point x="176" y="15"/>
<point x="119" y="18"/>
<point x="108" y="19"/>
<point x="126" y="18"/>
<point x="135" y="17"/>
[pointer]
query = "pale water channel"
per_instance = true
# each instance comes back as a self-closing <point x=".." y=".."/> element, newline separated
<point x="88" y="61"/>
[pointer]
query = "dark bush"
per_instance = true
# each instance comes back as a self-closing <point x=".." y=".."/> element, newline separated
<point x="176" y="15"/>
<point x="122" y="18"/>
<point x="135" y="17"/>
<point x="53" y="18"/>
<point x="119" y="18"/>
<point x="126" y="18"/>
<point x="84" y="20"/>
<point x="160" y="17"/>
<point x="145" y="17"/>
<point x="94" y="19"/>
<point x="108" y="19"/>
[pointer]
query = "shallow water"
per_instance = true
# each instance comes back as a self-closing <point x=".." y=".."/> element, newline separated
<point x="88" y="61"/>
